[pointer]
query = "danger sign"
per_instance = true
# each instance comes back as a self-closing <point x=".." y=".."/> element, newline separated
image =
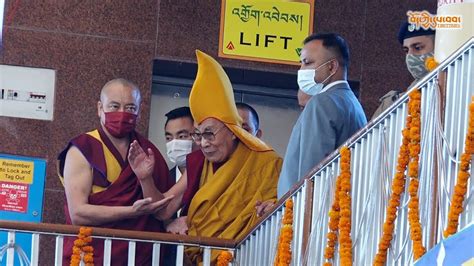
<point x="13" y="197"/>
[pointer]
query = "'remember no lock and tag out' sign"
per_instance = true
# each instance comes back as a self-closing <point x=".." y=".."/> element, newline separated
<point x="265" y="30"/>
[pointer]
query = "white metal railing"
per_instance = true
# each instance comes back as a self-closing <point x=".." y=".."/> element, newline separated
<point x="260" y="245"/>
<point x="109" y="235"/>
<point x="460" y="88"/>
<point x="373" y="164"/>
<point x="374" y="157"/>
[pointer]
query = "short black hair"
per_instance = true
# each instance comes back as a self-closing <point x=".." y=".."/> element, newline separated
<point x="335" y="43"/>
<point x="178" y="113"/>
<point x="249" y="108"/>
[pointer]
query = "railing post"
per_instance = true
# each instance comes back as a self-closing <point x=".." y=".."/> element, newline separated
<point x="207" y="256"/>
<point x="179" y="254"/>
<point x="58" y="261"/>
<point x="156" y="254"/>
<point x="34" y="249"/>
<point x="131" y="253"/>
<point x="11" y="248"/>
<point x="107" y="251"/>
<point x="308" y="214"/>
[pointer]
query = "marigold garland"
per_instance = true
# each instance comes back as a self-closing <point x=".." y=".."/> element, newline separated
<point x="460" y="188"/>
<point x="398" y="187"/>
<point x="414" y="110"/>
<point x="430" y="63"/>
<point x="283" y="256"/>
<point x="224" y="258"/>
<point x="345" y="241"/>
<point x="82" y="251"/>
<point x="340" y="214"/>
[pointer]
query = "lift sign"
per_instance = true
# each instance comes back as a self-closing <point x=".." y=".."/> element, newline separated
<point x="268" y="31"/>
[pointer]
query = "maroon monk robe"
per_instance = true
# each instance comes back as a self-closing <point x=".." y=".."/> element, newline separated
<point x="122" y="192"/>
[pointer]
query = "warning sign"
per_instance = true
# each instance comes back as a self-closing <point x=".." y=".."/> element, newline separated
<point x="16" y="171"/>
<point x="13" y="197"/>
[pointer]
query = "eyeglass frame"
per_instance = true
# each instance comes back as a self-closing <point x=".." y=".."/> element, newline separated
<point x="211" y="136"/>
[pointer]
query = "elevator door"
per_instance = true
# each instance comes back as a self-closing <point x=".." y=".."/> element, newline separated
<point x="277" y="109"/>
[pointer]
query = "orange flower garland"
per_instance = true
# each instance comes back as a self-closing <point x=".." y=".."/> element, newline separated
<point x="345" y="241"/>
<point x="460" y="189"/>
<point x="82" y="247"/>
<point x="398" y="186"/>
<point x="334" y="215"/>
<point x="414" y="109"/>
<point x="430" y="63"/>
<point x="224" y="258"/>
<point x="283" y="256"/>
<point x="340" y="214"/>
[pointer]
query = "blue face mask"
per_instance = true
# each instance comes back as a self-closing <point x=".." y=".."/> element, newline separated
<point x="306" y="81"/>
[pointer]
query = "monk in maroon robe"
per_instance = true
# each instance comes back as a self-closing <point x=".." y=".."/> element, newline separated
<point x="104" y="185"/>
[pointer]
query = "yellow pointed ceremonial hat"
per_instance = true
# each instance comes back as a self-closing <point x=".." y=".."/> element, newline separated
<point x="212" y="96"/>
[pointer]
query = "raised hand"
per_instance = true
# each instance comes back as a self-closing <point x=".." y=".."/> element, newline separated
<point x="141" y="162"/>
<point x="147" y="206"/>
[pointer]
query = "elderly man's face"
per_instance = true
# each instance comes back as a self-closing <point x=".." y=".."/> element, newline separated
<point x="118" y="98"/>
<point x="217" y="141"/>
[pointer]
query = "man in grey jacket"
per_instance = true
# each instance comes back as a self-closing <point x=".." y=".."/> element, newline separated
<point x="330" y="117"/>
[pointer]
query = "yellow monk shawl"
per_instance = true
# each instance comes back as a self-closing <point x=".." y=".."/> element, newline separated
<point x="212" y="96"/>
<point x="224" y="206"/>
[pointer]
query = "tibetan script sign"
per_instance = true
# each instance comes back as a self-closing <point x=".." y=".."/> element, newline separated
<point x="265" y="30"/>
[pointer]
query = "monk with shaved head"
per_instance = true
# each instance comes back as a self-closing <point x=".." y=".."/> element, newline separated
<point x="103" y="181"/>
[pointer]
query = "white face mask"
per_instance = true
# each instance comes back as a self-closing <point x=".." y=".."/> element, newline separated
<point x="177" y="149"/>
<point x="306" y="81"/>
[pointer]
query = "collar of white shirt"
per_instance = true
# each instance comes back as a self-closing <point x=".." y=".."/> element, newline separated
<point x="178" y="174"/>
<point x="334" y="83"/>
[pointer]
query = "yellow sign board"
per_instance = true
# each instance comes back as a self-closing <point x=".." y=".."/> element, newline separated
<point x="16" y="171"/>
<point x="265" y="30"/>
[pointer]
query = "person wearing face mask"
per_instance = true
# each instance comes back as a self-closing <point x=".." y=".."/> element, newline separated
<point x="230" y="172"/>
<point x="331" y="115"/>
<point x="418" y="45"/>
<point x="105" y="185"/>
<point x="250" y="120"/>
<point x="178" y="128"/>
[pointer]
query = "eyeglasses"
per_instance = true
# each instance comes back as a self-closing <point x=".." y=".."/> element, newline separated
<point x="208" y="135"/>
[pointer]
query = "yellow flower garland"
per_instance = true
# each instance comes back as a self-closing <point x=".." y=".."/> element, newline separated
<point x="460" y="189"/>
<point x="340" y="214"/>
<point x="82" y="247"/>
<point x="398" y="187"/>
<point x="283" y="256"/>
<point x="224" y="258"/>
<point x="414" y="110"/>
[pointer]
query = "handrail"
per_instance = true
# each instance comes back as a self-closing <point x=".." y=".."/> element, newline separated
<point x="72" y="230"/>
<point x="355" y="138"/>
